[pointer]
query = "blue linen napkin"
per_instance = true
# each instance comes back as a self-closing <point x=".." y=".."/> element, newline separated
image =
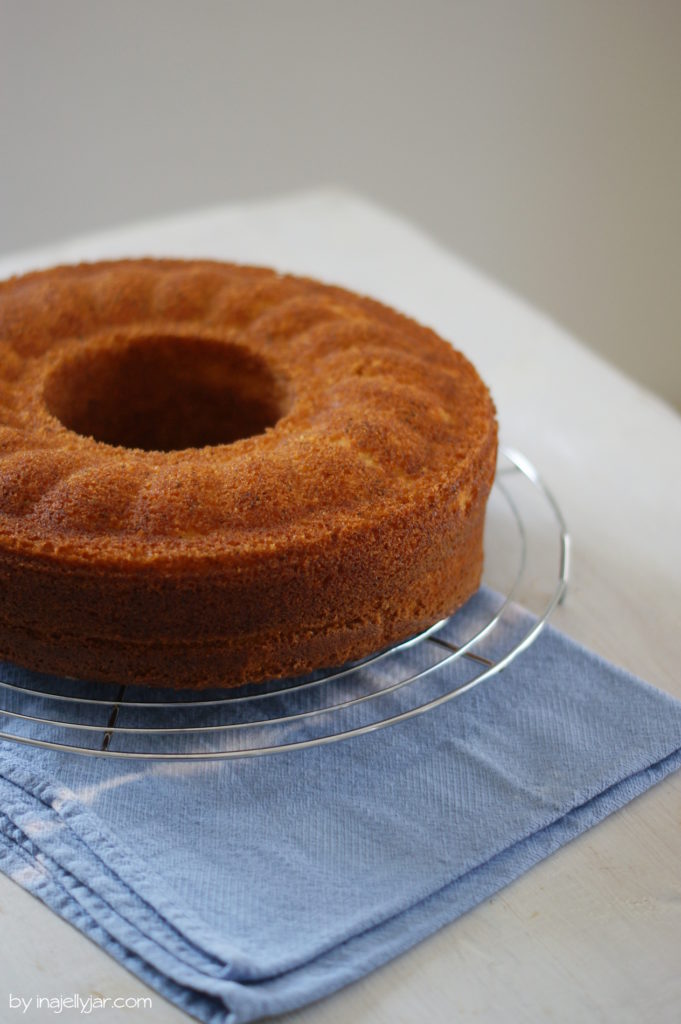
<point x="241" y="889"/>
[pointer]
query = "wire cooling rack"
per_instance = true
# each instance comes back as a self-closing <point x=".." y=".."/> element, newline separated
<point x="526" y="560"/>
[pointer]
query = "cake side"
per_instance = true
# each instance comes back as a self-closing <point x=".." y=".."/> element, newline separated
<point x="330" y="606"/>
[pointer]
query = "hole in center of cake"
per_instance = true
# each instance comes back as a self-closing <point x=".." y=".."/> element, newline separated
<point x="165" y="393"/>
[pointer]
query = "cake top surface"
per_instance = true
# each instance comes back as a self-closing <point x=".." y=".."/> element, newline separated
<point x="163" y="409"/>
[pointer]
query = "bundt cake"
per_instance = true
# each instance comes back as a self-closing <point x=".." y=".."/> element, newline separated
<point x="212" y="474"/>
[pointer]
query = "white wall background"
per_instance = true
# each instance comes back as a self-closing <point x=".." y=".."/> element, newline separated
<point x="541" y="139"/>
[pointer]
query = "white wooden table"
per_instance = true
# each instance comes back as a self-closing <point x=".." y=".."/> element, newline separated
<point x="594" y="932"/>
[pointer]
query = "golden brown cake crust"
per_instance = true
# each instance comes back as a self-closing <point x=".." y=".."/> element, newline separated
<point x="169" y="548"/>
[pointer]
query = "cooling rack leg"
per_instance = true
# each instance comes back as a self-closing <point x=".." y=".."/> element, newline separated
<point x="106" y="739"/>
